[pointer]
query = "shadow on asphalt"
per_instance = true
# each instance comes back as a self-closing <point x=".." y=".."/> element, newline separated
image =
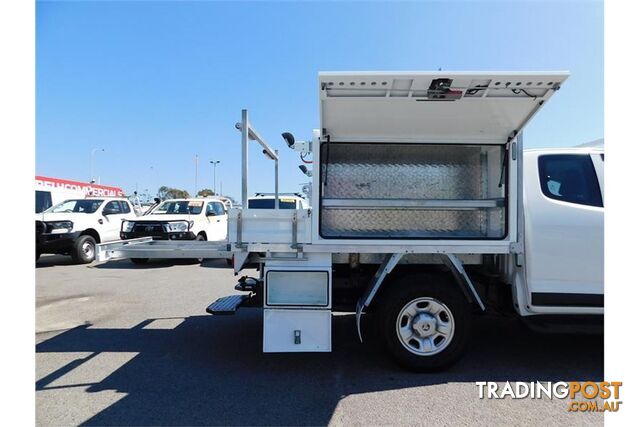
<point x="210" y="369"/>
<point x="216" y="263"/>
<point x="54" y="260"/>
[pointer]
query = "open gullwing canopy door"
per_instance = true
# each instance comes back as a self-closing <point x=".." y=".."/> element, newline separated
<point x="409" y="157"/>
<point x="434" y="106"/>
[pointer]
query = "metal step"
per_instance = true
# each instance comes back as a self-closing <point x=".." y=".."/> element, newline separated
<point x="227" y="305"/>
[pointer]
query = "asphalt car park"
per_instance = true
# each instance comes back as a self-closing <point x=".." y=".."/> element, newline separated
<point x="124" y="344"/>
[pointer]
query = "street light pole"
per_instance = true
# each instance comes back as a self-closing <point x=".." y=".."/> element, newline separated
<point x="214" y="163"/>
<point x="93" y="152"/>
<point x="196" y="192"/>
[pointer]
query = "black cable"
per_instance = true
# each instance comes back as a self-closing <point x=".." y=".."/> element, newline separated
<point x="476" y="89"/>
<point x="304" y="158"/>
<point x="517" y="92"/>
<point x="503" y="168"/>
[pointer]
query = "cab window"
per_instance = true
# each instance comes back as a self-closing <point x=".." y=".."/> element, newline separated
<point x="214" y="208"/>
<point x="125" y="207"/>
<point x="264" y="203"/>
<point x="180" y="207"/>
<point x="569" y="178"/>
<point x="219" y="209"/>
<point x="77" y="205"/>
<point x="115" y="205"/>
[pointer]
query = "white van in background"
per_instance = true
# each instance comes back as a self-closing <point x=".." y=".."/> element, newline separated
<point x="287" y="201"/>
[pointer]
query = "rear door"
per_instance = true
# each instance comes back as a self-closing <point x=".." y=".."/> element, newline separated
<point x="216" y="217"/>
<point x="564" y="230"/>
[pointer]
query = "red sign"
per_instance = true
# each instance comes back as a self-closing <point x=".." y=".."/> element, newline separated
<point x="45" y="183"/>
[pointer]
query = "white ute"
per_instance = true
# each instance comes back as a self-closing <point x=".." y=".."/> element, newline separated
<point x="197" y="220"/>
<point x="425" y="212"/>
<point x="75" y="226"/>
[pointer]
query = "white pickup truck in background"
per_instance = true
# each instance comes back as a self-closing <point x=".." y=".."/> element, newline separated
<point x="75" y="226"/>
<point x="198" y="219"/>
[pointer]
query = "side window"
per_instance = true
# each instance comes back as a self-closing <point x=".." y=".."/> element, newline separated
<point x="114" y="205"/>
<point x="43" y="200"/>
<point x="569" y="178"/>
<point x="218" y="208"/>
<point x="125" y="207"/>
<point x="211" y="209"/>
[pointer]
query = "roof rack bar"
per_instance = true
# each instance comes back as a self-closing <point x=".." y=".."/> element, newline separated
<point x="244" y="128"/>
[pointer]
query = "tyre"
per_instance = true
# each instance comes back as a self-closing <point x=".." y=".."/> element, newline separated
<point x="200" y="238"/>
<point x="139" y="261"/>
<point x="84" y="249"/>
<point x="424" y="321"/>
<point x="37" y="256"/>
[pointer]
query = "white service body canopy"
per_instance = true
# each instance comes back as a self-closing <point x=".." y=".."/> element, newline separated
<point x="439" y="106"/>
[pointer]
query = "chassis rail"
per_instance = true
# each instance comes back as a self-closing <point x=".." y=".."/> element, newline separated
<point x="146" y="247"/>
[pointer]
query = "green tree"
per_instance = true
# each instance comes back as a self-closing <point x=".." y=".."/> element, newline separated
<point x="165" y="192"/>
<point x="205" y="192"/>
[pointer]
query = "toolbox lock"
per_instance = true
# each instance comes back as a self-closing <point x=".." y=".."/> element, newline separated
<point x="297" y="336"/>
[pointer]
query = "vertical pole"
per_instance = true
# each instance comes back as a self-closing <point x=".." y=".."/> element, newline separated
<point x="214" y="178"/>
<point x="245" y="158"/>
<point x="276" y="203"/>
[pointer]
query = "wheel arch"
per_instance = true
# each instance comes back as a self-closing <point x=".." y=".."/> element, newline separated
<point x="456" y="274"/>
<point x="93" y="233"/>
<point x="448" y="271"/>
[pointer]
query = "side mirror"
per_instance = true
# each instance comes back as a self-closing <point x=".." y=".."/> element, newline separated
<point x="110" y="211"/>
<point x="211" y="213"/>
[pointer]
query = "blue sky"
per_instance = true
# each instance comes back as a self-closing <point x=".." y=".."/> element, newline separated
<point x="157" y="83"/>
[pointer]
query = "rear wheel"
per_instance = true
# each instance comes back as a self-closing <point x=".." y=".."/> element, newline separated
<point x="200" y="238"/>
<point x="424" y="321"/>
<point x="84" y="249"/>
